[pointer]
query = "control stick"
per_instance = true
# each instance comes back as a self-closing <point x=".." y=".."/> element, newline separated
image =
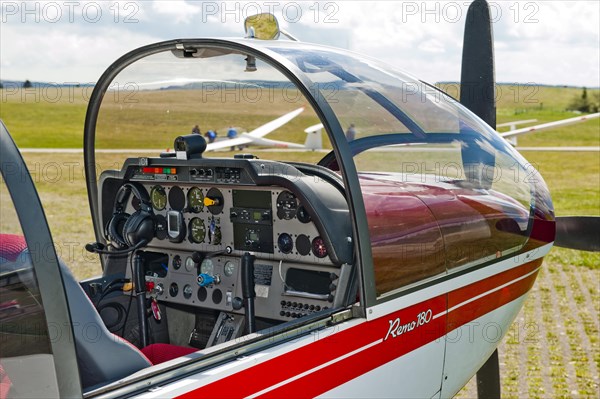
<point x="140" y="293"/>
<point x="248" y="292"/>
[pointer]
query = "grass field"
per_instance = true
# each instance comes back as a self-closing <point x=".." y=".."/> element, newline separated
<point x="563" y="357"/>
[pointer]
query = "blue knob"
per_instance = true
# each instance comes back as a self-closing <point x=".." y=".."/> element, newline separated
<point x="205" y="280"/>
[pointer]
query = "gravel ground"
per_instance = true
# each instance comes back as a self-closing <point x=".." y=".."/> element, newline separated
<point x="552" y="349"/>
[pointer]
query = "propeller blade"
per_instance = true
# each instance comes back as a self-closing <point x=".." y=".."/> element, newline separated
<point x="477" y="81"/>
<point x="578" y="232"/>
<point x="477" y="89"/>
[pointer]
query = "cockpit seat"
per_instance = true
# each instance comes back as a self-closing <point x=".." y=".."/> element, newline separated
<point x="101" y="355"/>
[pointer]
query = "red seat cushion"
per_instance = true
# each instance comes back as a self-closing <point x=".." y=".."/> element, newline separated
<point x="159" y="353"/>
<point x="11" y="246"/>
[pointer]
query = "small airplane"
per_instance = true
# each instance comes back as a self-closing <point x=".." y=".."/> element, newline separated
<point x="257" y="135"/>
<point x="313" y="141"/>
<point x="365" y="274"/>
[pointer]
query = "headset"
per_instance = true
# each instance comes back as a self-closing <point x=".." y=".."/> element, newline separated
<point x="131" y="231"/>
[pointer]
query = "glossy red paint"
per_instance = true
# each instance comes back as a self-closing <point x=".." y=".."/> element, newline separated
<point x="420" y="230"/>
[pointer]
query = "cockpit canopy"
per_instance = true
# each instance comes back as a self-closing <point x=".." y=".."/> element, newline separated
<point x="379" y="124"/>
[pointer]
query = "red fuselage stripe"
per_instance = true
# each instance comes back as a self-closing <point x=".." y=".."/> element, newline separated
<point x="479" y="287"/>
<point x="290" y="369"/>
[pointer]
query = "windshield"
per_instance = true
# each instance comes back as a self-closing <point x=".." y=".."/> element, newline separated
<point x="163" y="96"/>
<point x="442" y="190"/>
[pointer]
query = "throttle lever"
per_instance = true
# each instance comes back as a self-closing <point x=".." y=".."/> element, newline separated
<point x="248" y="293"/>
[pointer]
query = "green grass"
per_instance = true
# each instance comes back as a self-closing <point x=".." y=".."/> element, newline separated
<point x="573" y="179"/>
<point x="152" y="119"/>
<point x="36" y="120"/>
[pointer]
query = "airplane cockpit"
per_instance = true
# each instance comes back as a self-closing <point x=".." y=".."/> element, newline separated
<point x="227" y="240"/>
<point x="209" y="242"/>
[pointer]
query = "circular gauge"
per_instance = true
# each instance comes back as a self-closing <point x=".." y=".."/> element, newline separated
<point x="173" y="290"/>
<point x="176" y="198"/>
<point x="158" y="197"/>
<point x="303" y="245"/>
<point x="202" y="294"/>
<point x="187" y="291"/>
<point x="195" y="200"/>
<point x="176" y="262"/>
<point x="214" y="233"/>
<point x="215" y="198"/>
<point x="197" y="230"/>
<point x="207" y="267"/>
<point x="161" y="226"/>
<point x="285" y="243"/>
<point x="189" y="264"/>
<point x="229" y="268"/>
<point x="303" y="215"/>
<point x="287" y="205"/>
<point x="318" y="247"/>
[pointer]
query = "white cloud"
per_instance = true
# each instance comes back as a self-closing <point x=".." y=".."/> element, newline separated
<point x="553" y="42"/>
<point x="180" y="11"/>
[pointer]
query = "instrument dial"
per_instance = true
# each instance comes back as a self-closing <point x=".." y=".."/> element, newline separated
<point x="195" y="200"/>
<point x="303" y="215"/>
<point x="177" y="262"/>
<point x="158" y="198"/>
<point x="285" y="243"/>
<point x="173" y="290"/>
<point x="197" y="230"/>
<point x="189" y="264"/>
<point x="318" y="247"/>
<point x="207" y="267"/>
<point x="214" y="232"/>
<point x="229" y="268"/>
<point x="187" y="291"/>
<point x="214" y="201"/>
<point x="287" y="205"/>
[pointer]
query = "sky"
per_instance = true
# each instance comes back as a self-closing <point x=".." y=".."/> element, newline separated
<point x="537" y="42"/>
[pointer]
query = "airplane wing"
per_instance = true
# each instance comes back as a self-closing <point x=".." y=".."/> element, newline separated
<point x="261" y="131"/>
<point x="273" y="143"/>
<point x="549" y="125"/>
<point x="275" y="124"/>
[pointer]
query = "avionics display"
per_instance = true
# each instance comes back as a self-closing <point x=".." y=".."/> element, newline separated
<point x="252" y="220"/>
<point x="251" y="199"/>
<point x="308" y="281"/>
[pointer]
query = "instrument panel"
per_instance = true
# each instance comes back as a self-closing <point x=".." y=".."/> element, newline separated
<point x="271" y="223"/>
<point x="206" y="218"/>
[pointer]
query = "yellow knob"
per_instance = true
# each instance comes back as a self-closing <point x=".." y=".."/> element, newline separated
<point x="210" y="201"/>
